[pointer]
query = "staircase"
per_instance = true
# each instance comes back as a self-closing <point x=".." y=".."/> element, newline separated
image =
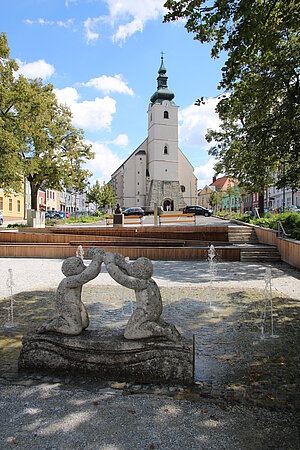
<point x="260" y="253"/>
<point x="242" y="235"/>
<point x="252" y="251"/>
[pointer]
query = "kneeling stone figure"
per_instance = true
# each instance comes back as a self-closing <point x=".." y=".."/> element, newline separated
<point x="72" y="317"/>
<point x="146" y="321"/>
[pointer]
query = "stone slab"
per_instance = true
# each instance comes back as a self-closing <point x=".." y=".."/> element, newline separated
<point x="107" y="355"/>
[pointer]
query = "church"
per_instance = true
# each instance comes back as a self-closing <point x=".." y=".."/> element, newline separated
<point x="157" y="171"/>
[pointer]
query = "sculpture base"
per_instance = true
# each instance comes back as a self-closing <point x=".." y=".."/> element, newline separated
<point x="107" y="355"/>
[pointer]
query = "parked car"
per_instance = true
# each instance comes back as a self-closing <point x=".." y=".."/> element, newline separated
<point x="137" y="211"/>
<point x="149" y="210"/>
<point x="51" y="214"/>
<point x="1" y="218"/>
<point x="197" y="210"/>
<point x="294" y="208"/>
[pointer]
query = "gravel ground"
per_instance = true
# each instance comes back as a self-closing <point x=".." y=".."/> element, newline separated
<point x="48" y="416"/>
<point x="38" y="274"/>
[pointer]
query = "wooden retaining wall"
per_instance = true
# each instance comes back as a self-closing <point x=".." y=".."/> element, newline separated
<point x="205" y="233"/>
<point x="154" y="253"/>
<point x="157" y="243"/>
<point x="289" y="249"/>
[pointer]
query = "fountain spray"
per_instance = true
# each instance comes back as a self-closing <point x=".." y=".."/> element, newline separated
<point x="10" y="283"/>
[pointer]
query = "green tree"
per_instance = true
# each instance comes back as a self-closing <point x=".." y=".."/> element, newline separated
<point x="260" y="118"/>
<point x="102" y="195"/>
<point x="76" y="176"/>
<point x="40" y="135"/>
<point x="108" y="196"/>
<point x="213" y="200"/>
<point x="95" y="194"/>
<point x="11" y="90"/>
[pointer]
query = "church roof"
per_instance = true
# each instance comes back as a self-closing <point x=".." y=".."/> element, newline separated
<point x="162" y="92"/>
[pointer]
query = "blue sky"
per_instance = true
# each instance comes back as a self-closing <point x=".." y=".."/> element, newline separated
<point x="102" y="56"/>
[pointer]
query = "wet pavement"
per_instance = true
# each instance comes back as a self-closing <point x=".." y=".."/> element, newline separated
<point x="233" y="363"/>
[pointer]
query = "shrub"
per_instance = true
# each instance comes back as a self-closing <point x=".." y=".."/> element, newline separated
<point x="290" y="221"/>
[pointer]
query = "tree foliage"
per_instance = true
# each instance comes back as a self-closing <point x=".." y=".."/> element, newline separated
<point x="259" y="132"/>
<point x="37" y="137"/>
<point x="102" y="195"/>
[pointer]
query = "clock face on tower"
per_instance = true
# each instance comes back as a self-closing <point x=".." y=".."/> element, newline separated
<point x="165" y="103"/>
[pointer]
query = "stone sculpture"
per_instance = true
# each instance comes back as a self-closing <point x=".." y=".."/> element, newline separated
<point x="146" y="321"/>
<point x="72" y="316"/>
<point x="110" y="354"/>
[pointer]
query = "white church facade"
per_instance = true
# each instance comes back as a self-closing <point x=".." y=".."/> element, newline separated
<point x="157" y="171"/>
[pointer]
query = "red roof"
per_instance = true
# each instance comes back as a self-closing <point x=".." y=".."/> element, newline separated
<point x="222" y="184"/>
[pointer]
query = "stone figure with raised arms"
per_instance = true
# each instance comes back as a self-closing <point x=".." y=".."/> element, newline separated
<point x="72" y="317"/>
<point x="146" y="321"/>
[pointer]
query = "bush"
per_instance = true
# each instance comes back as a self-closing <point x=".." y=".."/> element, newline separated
<point x="17" y="225"/>
<point x="82" y="219"/>
<point x="290" y="221"/>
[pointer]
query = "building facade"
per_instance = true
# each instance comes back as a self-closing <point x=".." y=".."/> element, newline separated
<point x="12" y="205"/>
<point x="157" y="171"/>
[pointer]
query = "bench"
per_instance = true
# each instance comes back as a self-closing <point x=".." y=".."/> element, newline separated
<point x="177" y="218"/>
<point x="129" y="220"/>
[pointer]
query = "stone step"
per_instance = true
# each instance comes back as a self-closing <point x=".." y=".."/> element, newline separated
<point x="239" y="235"/>
<point x="260" y="254"/>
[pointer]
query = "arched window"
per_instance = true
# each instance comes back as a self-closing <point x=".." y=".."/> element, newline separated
<point x="166" y="150"/>
<point x="166" y="115"/>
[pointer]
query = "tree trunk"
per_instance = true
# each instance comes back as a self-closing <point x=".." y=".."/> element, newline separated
<point x="261" y="206"/>
<point x="34" y="194"/>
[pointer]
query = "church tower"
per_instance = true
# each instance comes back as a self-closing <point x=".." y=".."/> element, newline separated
<point x="162" y="157"/>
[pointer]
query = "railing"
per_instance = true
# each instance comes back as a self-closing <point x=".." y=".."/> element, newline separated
<point x="256" y="215"/>
<point x="281" y="231"/>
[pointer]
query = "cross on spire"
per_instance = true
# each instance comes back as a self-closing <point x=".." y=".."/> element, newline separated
<point x="162" y="55"/>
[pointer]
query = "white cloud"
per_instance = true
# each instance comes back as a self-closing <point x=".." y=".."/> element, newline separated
<point x="127" y="30"/>
<point x="126" y="17"/>
<point x="89" y="115"/>
<point x="36" y="69"/>
<point x="110" y="84"/>
<point x="68" y="2"/>
<point x="143" y="10"/>
<point x="41" y="21"/>
<point x="105" y="162"/>
<point x="120" y="141"/>
<point x="89" y="24"/>
<point x="205" y="173"/>
<point x="195" y="121"/>
<point x="66" y="24"/>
